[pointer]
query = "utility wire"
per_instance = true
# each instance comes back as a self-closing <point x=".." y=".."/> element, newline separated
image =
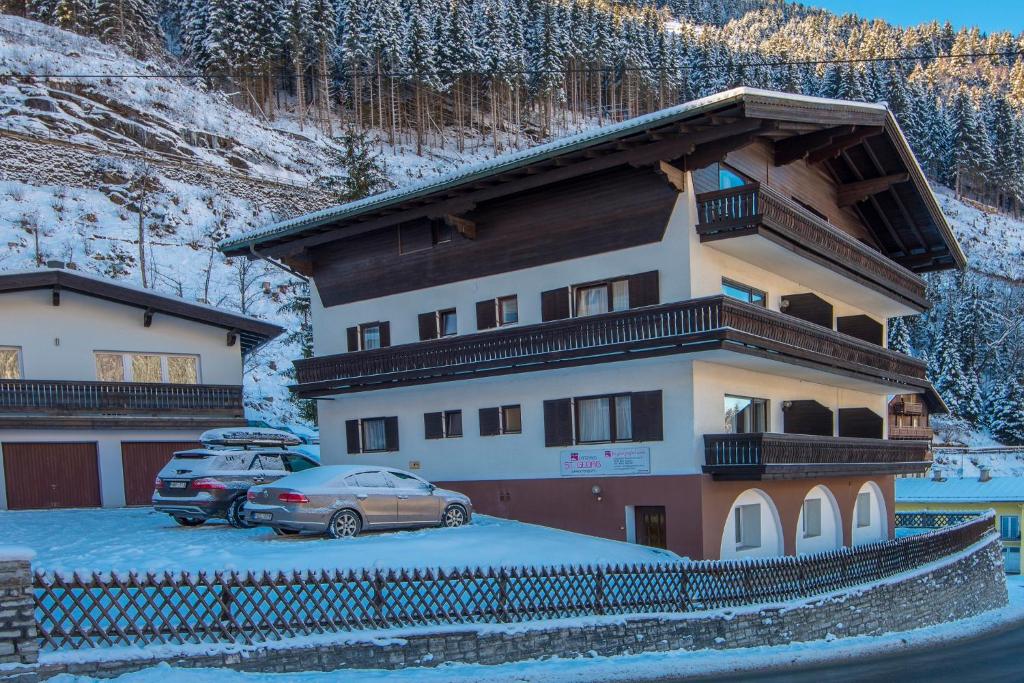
<point x="535" y="72"/>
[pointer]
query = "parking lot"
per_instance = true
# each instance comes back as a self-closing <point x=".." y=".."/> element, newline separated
<point x="142" y="540"/>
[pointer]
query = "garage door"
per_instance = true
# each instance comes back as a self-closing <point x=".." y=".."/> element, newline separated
<point x="142" y="461"/>
<point x="51" y="475"/>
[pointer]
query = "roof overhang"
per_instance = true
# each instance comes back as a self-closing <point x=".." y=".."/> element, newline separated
<point x="250" y="332"/>
<point x="859" y="144"/>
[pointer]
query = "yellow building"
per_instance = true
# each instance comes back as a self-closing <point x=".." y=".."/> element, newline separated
<point x="1005" y="495"/>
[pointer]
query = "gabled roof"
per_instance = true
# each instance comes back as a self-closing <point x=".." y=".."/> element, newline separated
<point x="907" y="219"/>
<point x="995" y="490"/>
<point x="251" y="332"/>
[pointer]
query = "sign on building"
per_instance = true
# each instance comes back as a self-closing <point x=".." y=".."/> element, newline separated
<point x="605" y="462"/>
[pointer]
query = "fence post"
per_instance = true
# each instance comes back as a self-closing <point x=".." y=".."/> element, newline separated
<point x="503" y="595"/>
<point x="378" y="596"/>
<point x="18" y="644"/>
<point x="599" y="590"/>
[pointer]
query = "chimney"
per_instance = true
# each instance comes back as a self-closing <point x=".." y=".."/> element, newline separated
<point x="984" y="474"/>
<point x="55" y="263"/>
<point x="937" y="474"/>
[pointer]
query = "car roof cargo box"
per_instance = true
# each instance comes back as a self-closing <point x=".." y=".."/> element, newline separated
<point x="248" y="436"/>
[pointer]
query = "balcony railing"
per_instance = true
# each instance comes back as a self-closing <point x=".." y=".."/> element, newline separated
<point x="709" y="323"/>
<point x="915" y="433"/>
<point x="106" y="399"/>
<point x="787" y="456"/>
<point x="908" y="408"/>
<point x="737" y="211"/>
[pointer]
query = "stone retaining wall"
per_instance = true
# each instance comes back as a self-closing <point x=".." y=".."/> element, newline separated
<point x="968" y="584"/>
<point x="18" y="642"/>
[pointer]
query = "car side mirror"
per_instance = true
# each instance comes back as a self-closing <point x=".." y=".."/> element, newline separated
<point x="432" y="488"/>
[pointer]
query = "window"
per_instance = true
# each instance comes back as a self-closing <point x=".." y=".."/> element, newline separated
<point x="296" y="463"/>
<point x="812" y="518"/>
<point x="374" y="438"/>
<point x="508" y="310"/>
<point x="369" y="337"/>
<point x="10" y="363"/>
<point x="372" y="480"/>
<point x="1009" y="527"/>
<point x="447" y="323"/>
<point x="744" y="293"/>
<point x="372" y="435"/>
<point x="602" y="297"/>
<point x="442" y="425"/>
<point x="747" y="519"/>
<point x="604" y="418"/>
<point x="407" y="481"/>
<point x="503" y="420"/>
<point x="267" y="462"/>
<point x="863" y="510"/>
<point x="113" y="366"/>
<point x="729" y="178"/>
<point x="745" y="415"/>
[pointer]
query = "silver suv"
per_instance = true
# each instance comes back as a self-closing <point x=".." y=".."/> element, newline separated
<point x="211" y="482"/>
<point x="342" y="500"/>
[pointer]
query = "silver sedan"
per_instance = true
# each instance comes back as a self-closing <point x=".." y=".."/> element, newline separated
<point x="342" y="500"/>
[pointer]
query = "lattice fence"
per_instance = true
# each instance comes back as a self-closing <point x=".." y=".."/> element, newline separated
<point x="933" y="519"/>
<point x="97" y="610"/>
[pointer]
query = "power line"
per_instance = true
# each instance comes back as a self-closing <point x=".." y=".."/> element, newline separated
<point x="535" y="72"/>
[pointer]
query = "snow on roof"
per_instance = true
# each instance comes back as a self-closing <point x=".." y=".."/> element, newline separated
<point x="995" y="490"/>
<point x="514" y="160"/>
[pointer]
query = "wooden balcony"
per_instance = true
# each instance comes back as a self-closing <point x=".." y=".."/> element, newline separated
<point x="913" y="433"/>
<point x="907" y="408"/>
<point x="710" y="324"/>
<point x="33" y="403"/>
<point x="795" y="456"/>
<point x="756" y="209"/>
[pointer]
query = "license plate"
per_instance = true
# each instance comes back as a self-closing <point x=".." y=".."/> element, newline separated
<point x="177" y="484"/>
<point x="263" y="516"/>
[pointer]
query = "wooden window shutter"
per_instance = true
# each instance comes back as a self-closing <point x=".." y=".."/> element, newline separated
<point x="486" y="316"/>
<point x="353" y="338"/>
<point x="647" y="416"/>
<point x="490" y="422"/>
<point x="643" y="289"/>
<point x="806" y="417"/>
<point x="352" y="435"/>
<point x="554" y="304"/>
<point x="428" y="326"/>
<point x="391" y="433"/>
<point x="385" y="334"/>
<point x="558" y="422"/>
<point x="433" y="427"/>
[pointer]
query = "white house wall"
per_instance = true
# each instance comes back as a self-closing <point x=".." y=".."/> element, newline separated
<point x="58" y="342"/>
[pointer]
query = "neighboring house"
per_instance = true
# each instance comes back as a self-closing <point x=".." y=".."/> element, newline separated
<point x="908" y="415"/>
<point x="1005" y="495"/>
<point x="669" y="330"/>
<point x="100" y="382"/>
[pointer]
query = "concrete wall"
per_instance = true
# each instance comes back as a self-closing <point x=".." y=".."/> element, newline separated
<point x="962" y="586"/>
<point x="58" y="342"/>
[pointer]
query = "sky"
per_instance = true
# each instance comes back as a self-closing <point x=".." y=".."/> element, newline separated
<point x="988" y="15"/>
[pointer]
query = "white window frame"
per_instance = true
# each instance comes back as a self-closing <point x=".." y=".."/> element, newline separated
<point x="743" y="536"/>
<point x="498" y="307"/>
<point x="164" y="372"/>
<point x="19" y="357"/>
<point x="812" y="530"/>
<point x="610" y="285"/>
<point x="863" y="509"/>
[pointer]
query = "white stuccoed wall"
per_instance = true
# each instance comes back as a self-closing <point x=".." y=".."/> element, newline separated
<point x="84" y="324"/>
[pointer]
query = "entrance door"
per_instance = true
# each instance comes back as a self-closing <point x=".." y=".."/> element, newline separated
<point x="142" y="461"/>
<point x="51" y="475"/>
<point x="650" y="526"/>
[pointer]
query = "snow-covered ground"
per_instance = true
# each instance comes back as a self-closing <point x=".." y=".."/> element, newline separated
<point x="649" y="666"/>
<point x="140" y="539"/>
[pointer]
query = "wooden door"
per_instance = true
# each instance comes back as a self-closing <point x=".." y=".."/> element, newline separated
<point x="650" y="526"/>
<point x="51" y="475"/>
<point x="141" y="461"/>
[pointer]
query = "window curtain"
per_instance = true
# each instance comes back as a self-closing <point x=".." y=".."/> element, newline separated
<point x="9" y="366"/>
<point x="595" y="420"/>
<point x="620" y="295"/>
<point x="146" y="368"/>
<point x="109" y="367"/>
<point x="371" y="337"/>
<point x="591" y="300"/>
<point x="623" y="418"/>
<point x="182" y="370"/>
<point x="373" y="435"/>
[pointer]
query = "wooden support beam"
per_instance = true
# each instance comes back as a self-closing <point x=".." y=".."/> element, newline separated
<point x="675" y="175"/>
<point x="849" y="194"/>
<point x="147" y="317"/>
<point x="799" y="146"/>
<point x="232" y="337"/>
<point x="463" y="226"/>
<point x="843" y="143"/>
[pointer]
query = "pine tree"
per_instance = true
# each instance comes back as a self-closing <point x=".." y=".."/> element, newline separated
<point x="971" y="149"/>
<point x="899" y="336"/>
<point x="1008" y="414"/>
<point x="130" y="24"/>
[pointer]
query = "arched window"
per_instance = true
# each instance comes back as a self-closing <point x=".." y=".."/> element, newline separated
<point x="870" y="521"/>
<point x="819" y="527"/>
<point x="752" y="528"/>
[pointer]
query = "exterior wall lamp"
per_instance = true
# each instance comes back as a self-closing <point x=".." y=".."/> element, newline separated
<point x="596" y="490"/>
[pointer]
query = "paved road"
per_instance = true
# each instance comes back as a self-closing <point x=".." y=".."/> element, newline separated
<point x="990" y="659"/>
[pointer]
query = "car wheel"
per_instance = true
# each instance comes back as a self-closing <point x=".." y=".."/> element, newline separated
<point x="285" y="532"/>
<point x="454" y="515"/>
<point x="235" y="517"/>
<point x="189" y="521"/>
<point x="344" y="524"/>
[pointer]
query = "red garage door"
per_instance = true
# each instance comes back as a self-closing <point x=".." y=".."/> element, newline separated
<point x="51" y="475"/>
<point x="142" y="461"/>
